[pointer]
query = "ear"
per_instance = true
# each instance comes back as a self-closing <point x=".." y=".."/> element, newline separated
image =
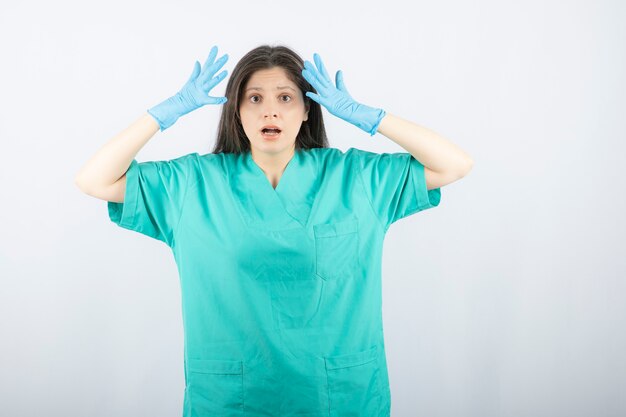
<point x="306" y="114"/>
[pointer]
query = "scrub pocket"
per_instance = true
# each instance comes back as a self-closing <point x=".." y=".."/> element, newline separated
<point x="336" y="249"/>
<point x="215" y="387"/>
<point x="354" y="384"/>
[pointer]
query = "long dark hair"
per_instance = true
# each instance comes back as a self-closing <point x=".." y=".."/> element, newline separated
<point x="231" y="137"/>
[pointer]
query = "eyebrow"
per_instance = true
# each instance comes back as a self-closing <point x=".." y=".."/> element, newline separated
<point x="278" y="88"/>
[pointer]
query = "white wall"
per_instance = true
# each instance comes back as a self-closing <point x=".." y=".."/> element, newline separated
<point x="506" y="300"/>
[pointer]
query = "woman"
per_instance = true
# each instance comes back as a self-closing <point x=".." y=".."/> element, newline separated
<point x="277" y="237"/>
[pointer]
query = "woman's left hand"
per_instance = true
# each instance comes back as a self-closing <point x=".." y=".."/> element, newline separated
<point x="337" y="100"/>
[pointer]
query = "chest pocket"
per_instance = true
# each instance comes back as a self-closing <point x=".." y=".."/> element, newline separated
<point x="336" y="249"/>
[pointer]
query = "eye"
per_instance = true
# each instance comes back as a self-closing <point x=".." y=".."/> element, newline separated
<point x="284" y="95"/>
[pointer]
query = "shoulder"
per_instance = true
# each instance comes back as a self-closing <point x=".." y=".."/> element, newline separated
<point x="180" y="163"/>
<point x="337" y="155"/>
<point x="333" y="160"/>
<point x="351" y="159"/>
<point x="214" y="165"/>
<point x="187" y="159"/>
<point x="214" y="160"/>
<point x="184" y="168"/>
<point x="350" y="153"/>
<point x="179" y="166"/>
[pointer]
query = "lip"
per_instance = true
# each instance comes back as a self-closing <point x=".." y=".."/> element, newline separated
<point x="271" y="127"/>
<point x="273" y="137"/>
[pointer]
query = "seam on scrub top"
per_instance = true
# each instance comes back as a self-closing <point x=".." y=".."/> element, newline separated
<point x="175" y="231"/>
<point x="420" y="184"/>
<point x="123" y="212"/>
<point x="412" y="174"/>
<point x="365" y="192"/>
<point x="132" y="222"/>
<point x="411" y="179"/>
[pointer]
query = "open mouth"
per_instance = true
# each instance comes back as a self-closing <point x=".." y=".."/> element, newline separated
<point x="271" y="132"/>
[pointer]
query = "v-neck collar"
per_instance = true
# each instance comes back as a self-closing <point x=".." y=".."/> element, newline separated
<point x="284" y="207"/>
<point x="251" y="163"/>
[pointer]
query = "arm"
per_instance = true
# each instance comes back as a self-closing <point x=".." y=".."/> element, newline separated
<point x="443" y="161"/>
<point x="99" y="176"/>
<point x="104" y="175"/>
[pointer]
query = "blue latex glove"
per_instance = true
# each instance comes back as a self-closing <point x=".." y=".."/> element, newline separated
<point x="194" y="94"/>
<point x="337" y="100"/>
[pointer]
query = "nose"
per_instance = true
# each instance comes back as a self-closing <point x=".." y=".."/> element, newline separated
<point x="270" y="111"/>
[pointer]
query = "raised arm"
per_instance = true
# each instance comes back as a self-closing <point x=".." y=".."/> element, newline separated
<point x="103" y="176"/>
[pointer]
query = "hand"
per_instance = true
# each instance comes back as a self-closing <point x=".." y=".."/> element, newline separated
<point x="194" y="94"/>
<point x="337" y="100"/>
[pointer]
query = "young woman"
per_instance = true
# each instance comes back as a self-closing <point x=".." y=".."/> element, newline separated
<point x="277" y="237"/>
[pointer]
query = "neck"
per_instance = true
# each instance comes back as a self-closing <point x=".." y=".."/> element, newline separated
<point x="273" y="163"/>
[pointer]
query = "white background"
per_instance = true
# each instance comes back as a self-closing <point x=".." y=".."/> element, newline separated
<point x="505" y="300"/>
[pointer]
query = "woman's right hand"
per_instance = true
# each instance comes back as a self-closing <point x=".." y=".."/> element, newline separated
<point x="194" y="94"/>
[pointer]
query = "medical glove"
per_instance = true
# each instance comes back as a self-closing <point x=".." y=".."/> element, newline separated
<point x="194" y="94"/>
<point x="337" y="100"/>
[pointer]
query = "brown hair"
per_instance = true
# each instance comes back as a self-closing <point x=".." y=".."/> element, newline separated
<point x="231" y="137"/>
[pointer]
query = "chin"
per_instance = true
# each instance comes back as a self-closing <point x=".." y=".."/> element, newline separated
<point x="261" y="144"/>
<point x="277" y="147"/>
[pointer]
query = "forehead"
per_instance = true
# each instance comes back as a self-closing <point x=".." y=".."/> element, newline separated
<point x="270" y="79"/>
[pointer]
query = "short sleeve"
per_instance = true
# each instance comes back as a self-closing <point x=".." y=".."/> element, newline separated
<point x="154" y="197"/>
<point x="395" y="184"/>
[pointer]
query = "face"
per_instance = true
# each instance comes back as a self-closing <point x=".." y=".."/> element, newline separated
<point x="271" y="98"/>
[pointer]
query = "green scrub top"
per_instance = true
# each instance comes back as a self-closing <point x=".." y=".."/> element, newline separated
<point x="280" y="287"/>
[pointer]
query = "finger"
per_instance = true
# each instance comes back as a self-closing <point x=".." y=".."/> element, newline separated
<point x="320" y="83"/>
<point x="195" y="72"/>
<point x="313" y="96"/>
<point x="310" y="78"/>
<point x="216" y="100"/>
<point x="339" y="81"/>
<point x="320" y="65"/>
<point x="210" y="58"/>
<point x="214" y="81"/>
<point x="341" y="85"/>
<point x="210" y="71"/>
<point x="317" y="98"/>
